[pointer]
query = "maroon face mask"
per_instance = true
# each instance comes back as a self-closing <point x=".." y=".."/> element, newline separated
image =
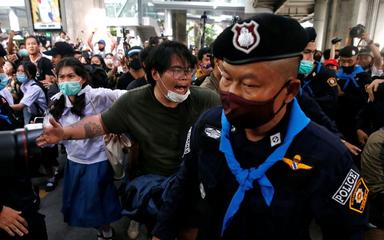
<point x="244" y="113"/>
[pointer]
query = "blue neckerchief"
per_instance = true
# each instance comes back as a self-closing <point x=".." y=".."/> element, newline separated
<point x="349" y="77"/>
<point x="245" y="177"/>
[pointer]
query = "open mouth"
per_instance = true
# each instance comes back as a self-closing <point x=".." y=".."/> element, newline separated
<point x="181" y="89"/>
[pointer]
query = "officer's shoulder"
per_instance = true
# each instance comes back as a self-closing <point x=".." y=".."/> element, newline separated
<point x="321" y="141"/>
<point x="211" y="117"/>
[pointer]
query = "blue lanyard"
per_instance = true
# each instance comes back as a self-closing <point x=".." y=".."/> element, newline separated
<point x="245" y="177"/>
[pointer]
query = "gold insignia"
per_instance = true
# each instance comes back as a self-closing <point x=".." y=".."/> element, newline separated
<point x="332" y="82"/>
<point x="359" y="197"/>
<point x="295" y="163"/>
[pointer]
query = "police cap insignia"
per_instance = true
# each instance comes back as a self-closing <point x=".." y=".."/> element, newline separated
<point x="263" y="37"/>
<point x="332" y="82"/>
<point x="359" y="197"/>
<point x="349" y="51"/>
<point x="245" y="36"/>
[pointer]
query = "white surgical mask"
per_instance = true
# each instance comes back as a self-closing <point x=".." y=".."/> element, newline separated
<point x="175" y="97"/>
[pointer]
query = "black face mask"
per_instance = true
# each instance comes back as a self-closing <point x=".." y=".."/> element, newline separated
<point x="348" y="70"/>
<point x="135" y="64"/>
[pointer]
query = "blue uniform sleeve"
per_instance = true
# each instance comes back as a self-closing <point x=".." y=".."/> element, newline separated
<point x="182" y="195"/>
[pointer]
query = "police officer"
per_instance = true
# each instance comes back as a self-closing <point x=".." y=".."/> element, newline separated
<point x="318" y="81"/>
<point x="352" y="80"/>
<point x="262" y="168"/>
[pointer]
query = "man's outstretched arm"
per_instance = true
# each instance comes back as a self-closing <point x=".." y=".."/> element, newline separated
<point x="88" y="127"/>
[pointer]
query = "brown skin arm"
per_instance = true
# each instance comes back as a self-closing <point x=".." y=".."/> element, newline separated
<point x="88" y="127"/>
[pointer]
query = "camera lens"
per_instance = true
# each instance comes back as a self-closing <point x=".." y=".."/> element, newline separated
<point x="17" y="148"/>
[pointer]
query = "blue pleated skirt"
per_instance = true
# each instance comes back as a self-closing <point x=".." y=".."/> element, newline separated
<point x="89" y="197"/>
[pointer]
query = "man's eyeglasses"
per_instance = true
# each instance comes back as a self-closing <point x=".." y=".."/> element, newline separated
<point x="179" y="72"/>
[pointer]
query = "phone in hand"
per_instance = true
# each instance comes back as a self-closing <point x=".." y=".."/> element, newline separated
<point x="38" y="120"/>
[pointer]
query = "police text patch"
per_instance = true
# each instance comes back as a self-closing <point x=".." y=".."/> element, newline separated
<point x="345" y="190"/>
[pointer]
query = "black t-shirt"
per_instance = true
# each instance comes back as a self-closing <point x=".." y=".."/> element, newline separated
<point x="124" y="81"/>
<point x="137" y="83"/>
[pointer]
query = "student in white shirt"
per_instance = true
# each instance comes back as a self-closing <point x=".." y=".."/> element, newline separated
<point x="88" y="177"/>
<point x="4" y="92"/>
<point x="34" y="102"/>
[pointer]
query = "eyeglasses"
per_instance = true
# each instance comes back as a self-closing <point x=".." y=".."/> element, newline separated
<point x="179" y="72"/>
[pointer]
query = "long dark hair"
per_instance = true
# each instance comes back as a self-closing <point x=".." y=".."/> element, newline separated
<point x="29" y="69"/>
<point x="56" y="107"/>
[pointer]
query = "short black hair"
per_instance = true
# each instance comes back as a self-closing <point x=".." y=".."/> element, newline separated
<point x="34" y="37"/>
<point x="203" y="51"/>
<point x="160" y="58"/>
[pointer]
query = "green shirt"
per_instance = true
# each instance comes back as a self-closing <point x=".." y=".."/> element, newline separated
<point x="159" y="130"/>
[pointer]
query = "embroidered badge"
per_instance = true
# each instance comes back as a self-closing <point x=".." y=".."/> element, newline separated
<point x="212" y="132"/>
<point x="359" y="197"/>
<point x="275" y="139"/>
<point x="332" y="82"/>
<point x="187" y="146"/>
<point x="345" y="190"/>
<point x="202" y="191"/>
<point x="245" y="37"/>
<point x="295" y="163"/>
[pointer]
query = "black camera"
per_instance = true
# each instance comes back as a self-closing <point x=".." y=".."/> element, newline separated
<point x="18" y="150"/>
<point x="357" y="31"/>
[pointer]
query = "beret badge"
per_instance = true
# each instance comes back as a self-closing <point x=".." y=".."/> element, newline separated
<point x="246" y="37"/>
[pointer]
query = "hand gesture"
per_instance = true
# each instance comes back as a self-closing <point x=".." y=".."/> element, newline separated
<point x="51" y="134"/>
<point x="352" y="148"/>
<point x="12" y="222"/>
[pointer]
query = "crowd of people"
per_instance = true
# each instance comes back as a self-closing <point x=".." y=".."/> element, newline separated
<point x="253" y="137"/>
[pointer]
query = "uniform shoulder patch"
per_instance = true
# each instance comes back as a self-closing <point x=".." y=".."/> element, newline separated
<point x="359" y="197"/>
<point x="332" y="82"/>
<point x="345" y="190"/>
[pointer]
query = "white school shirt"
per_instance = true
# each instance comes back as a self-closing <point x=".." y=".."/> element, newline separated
<point x="32" y="93"/>
<point x="97" y="100"/>
<point x="7" y="95"/>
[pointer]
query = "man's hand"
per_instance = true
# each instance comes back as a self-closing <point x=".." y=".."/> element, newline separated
<point x="12" y="222"/>
<point x="352" y="148"/>
<point x="372" y="88"/>
<point x="51" y="134"/>
<point x="362" y="136"/>
<point x="155" y="238"/>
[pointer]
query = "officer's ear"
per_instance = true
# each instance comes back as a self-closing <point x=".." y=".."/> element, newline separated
<point x="293" y="88"/>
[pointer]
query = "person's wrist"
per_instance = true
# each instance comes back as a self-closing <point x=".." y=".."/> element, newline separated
<point x="369" y="42"/>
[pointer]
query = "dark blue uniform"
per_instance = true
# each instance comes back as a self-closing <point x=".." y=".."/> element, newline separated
<point x="330" y="190"/>
<point x="321" y="85"/>
<point x="351" y="100"/>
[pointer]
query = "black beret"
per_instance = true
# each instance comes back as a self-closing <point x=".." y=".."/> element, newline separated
<point x="311" y="33"/>
<point x="263" y="37"/>
<point x="349" y="51"/>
